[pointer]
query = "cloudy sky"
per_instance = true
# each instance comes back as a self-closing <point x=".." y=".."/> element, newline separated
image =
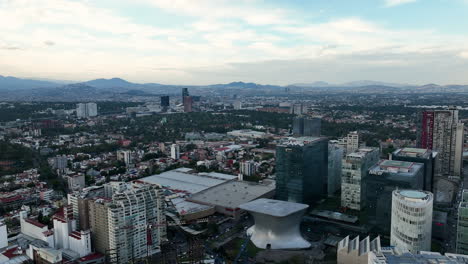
<point x="218" y="41"/>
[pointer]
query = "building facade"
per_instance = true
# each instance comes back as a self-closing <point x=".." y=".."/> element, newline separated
<point x="175" y="151"/>
<point x="86" y="110"/>
<point x="419" y="155"/>
<point x="248" y="168"/>
<point x="411" y="220"/>
<point x="307" y="126"/>
<point x="302" y="170"/>
<point x="335" y="154"/>
<point x="442" y="132"/>
<point x="131" y="223"/>
<point x="462" y="224"/>
<point x="354" y="169"/>
<point x="381" y="180"/>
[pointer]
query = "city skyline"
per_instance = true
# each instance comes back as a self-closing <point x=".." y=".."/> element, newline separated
<point x="206" y="42"/>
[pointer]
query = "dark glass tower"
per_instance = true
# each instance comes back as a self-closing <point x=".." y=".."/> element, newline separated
<point x="302" y="170"/>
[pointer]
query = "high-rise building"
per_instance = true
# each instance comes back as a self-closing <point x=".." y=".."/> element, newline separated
<point x="354" y="171"/>
<point x="302" y="170"/>
<point x="350" y="143"/>
<point x="165" y="101"/>
<point x="85" y="110"/>
<point x="78" y="200"/>
<point x="130" y="224"/>
<point x="125" y="156"/>
<point x="188" y="103"/>
<point x="411" y="223"/>
<point x="3" y="235"/>
<point x="425" y="156"/>
<point x="442" y="132"/>
<point x="248" y="168"/>
<point x="237" y="105"/>
<point x="185" y="93"/>
<point x="175" y="151"/>
<point x="335" y="155"/>
<point x="382" y="179"/>
<point x="297" y="109"/>
<point x="307" y="126"/>
<point x="462" y="224"/>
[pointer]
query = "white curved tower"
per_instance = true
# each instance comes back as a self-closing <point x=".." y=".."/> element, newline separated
<point x="411" y="220"/>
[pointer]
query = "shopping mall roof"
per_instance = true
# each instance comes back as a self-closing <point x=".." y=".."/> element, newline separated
<point x="179" y="181"/>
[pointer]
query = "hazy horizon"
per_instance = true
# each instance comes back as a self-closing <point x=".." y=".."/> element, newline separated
<point x="208" y="42"/>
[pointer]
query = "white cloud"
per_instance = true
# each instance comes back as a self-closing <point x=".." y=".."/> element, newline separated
<point x="92" y="42"/>
<point x="464" y="54"/>
<point x="390" y="3"/>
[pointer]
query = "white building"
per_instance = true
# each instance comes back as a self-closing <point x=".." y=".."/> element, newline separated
<point x="120" y="223"/>
<point x="64" y="224"/>
<point x="36" y="230"/>
<point x="80" y="242"/>
<point x="76" y="181"/>
<point x="175" y="151"/>
<point x="237" y="105"/>
<point x="248" y="168"/>
<point x="85" y="110"/>
<point x="125" y="156"/>
<point x="3" y="235"/>
<point x="350" y="143"/>
<point x="411" y="227"/>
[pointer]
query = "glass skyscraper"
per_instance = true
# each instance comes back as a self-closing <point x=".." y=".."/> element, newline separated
<point x="302" y="170"/>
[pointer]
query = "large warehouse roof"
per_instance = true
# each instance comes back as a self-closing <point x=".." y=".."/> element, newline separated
<point x="178" y="180"/>
<point x="233" y="193"/>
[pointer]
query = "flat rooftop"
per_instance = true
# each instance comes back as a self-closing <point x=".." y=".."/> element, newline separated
<point x="300" y="141"/>
<point x="396" y="166"/>
<point x="361" y="153"/>
<point x="275" y="208"/>
<point x="412" y="152"/>
<point x="232" y="194"/>
<point x="178" y="180"/>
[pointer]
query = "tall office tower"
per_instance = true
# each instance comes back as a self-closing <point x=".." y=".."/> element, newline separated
<point x="188" y="103"/>
<point x="302" y="170"/>
<point x="185" y="93"/>
<point x="248" y="168"/>
<point x="382" y="179"/>
<point x="120" y="225"/>
<point x="354" y="171"/>
<point x="351" y="142"/>
<point x="411" y="220"/>
<point x="462" y="224"/>
<point x="425" y="156"/>
<point x="175" y="151"/>
<point x="442" y="132"/>
<point x="164" y="103"/>
<point x="307" y="126"/>
<point x="85" y="110"/>
<point x="335" y="155"/>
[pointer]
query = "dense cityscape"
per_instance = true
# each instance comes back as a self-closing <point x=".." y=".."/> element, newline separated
<point x="234" y="179"/>
<point x="233" y="132"/>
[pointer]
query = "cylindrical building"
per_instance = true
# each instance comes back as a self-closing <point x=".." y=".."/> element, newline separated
<point x="411" y="220"/>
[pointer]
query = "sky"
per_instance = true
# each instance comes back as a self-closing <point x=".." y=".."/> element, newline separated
<point x="219" y="41"/>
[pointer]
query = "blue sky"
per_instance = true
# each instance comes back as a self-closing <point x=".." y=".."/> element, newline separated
<point x="217" y="41"/>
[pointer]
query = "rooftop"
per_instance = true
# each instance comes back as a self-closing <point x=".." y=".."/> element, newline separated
<point x="180" y="181"/>
<point x="396" y="164"/>
<point x="412" y="152"/>
<point x="275" y="208"/>
<point x="300" y="141"/>
<point x="232" y="194"/>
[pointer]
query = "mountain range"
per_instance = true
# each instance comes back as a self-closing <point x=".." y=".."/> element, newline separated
<point x="13" y="88"/>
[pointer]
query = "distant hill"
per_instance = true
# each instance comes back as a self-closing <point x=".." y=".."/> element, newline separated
<point x="13" y="83"/>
